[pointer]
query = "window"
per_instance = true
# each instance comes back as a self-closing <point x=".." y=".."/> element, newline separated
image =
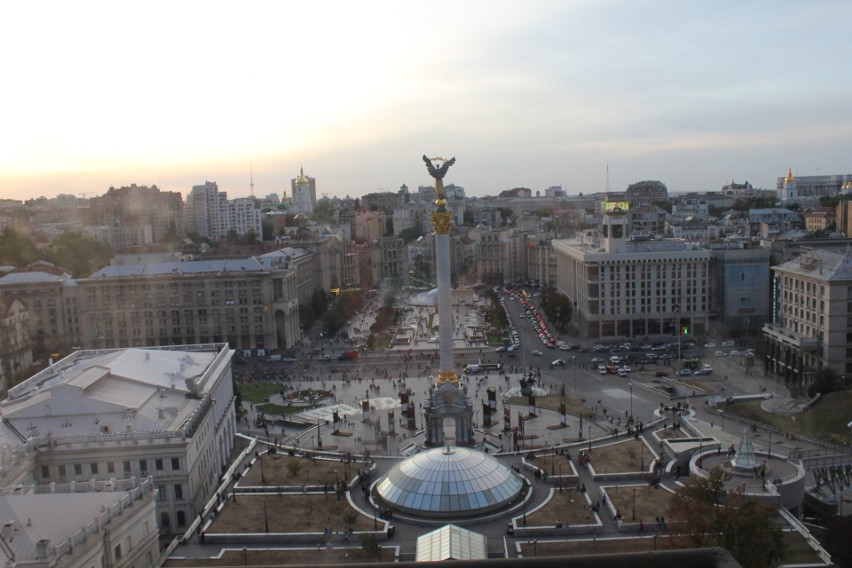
<point x="178" y="491"/>
<point x="78" y="469"/>
<point x="94" y="468"/>
<point x="110" y="467"/>
<point x="117" y="551"/>
<point x="175" y="464"/>
<point x="181" y="518"/>
<point x="143" y="466"/>
<point x="127" y="467"/>
<point x="62" y="472"/>
<point x="158" y="464"/>
<point x="161" y="492"/>
<point x="45" y="472"/>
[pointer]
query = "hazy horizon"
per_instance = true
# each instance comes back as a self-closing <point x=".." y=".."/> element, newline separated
<point x="533" y="95"/>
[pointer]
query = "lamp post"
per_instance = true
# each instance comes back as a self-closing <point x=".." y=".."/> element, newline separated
<point x="265" y="518"/>
<point x="574" y="364"/>
<point x="642" y="456"/>
<point x="631" y="401"/>
<point x="590" y="438"/>
<point x="559" y="481"/>
<point x="262" y="476"/>
<point x="634" y="503"/>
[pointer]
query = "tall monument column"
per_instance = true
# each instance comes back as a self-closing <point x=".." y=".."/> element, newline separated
<point x="442" y="222"/>
<point x="447" y="398"/>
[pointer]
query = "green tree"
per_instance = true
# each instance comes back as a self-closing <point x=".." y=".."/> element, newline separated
<point x="411" y="233"/>
<point x="324" y="210"/>
<point x="825" y="381"/>
<point x="704" y="514"/>
<point x="267" y="229"/>
<point x="371" y="545"/>
<point x="81" y="255"/>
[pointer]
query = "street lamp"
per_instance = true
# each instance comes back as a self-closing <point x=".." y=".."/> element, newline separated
<point x="265" y="518"/>
<point x="634" y="503"/>
<point x="574" y="364"/>
<point x="590" y="438"/>
<point x="631" y="401"/>
<point x="559" y="481"/>
<point x="262" y="476"/>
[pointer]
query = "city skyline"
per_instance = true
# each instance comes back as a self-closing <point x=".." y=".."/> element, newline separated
<point x="532" y="95"/>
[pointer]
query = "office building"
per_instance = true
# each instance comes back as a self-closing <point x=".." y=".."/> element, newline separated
<point x="810" y="322"/>
<point x="623" y="287"/>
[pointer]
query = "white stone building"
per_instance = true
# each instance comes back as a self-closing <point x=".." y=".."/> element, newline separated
<point x="118" y="414"/>
<point x="633" y="288"/>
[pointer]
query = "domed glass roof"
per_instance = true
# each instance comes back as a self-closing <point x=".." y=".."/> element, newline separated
<point x="449" y="482"/>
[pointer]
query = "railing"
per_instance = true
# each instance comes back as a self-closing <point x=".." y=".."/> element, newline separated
<point x="80" y="537"/>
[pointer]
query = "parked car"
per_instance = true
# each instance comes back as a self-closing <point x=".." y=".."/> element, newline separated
<point x="536" y="352"/>
<point x="684" y="372"/>
<point x="557" y="363"/>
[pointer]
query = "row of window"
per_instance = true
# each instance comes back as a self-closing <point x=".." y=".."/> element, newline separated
<point x="94" y="468"/>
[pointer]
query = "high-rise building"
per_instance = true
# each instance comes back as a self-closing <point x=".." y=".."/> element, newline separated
<point x="210" y="214"/>
<point x="135" y="207"/>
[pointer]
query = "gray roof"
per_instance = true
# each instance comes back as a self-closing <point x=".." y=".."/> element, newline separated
<point x="16" y="278"/>
<point x="821" y="264"/>
<point x="191" y="267"/>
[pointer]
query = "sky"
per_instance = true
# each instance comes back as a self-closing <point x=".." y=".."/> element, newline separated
<point x="523" y="94"/>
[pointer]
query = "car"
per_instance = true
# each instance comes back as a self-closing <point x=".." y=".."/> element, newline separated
<point x="599" y="348"/>
<point x="615" y="359"/>
<point x="684" y="372"/>
<point x="596" y="360"/>
<point x="602" y="370"/>
<point x="703" y="372"/>
<point x="557" y="363"/>
<point x="289" y="359"/>
<point x="536" y="352"/>
<point x="622" y="373"/>
<point x="501" y="349"/>
<point x="564" y="348"/>
<point x="729" y="343"/>
<point x="625" y="368"/>
<point x="661" y="374"/>
<point x="734" y="353"/>
<point x="651" y="356"/>
<point x="719" y="354"/>
<point x="710" y="345"/>
<point x="325" y="358"/>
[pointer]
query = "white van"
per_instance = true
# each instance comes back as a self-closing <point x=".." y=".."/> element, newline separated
<point x="472" y="369"/>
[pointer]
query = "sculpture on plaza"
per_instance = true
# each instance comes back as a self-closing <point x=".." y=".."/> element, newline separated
<point x="440" y="171"/>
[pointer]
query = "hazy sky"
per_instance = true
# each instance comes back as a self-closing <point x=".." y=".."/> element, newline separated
<point x="531" y="93"/>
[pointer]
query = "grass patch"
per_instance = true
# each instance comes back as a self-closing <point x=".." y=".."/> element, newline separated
<point x="825" y="420"/>
<point x="278" y="410"/>
<point x="256" y="392"/>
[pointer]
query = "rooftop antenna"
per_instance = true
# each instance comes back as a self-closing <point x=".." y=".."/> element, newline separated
<point x="251" y="179"/>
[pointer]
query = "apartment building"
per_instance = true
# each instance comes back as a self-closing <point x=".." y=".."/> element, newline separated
<point x="16" y="352"/>
<point x="811" y="325"/>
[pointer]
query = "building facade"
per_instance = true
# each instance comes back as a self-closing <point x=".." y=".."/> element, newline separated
<point x="131" y="414"/>
<point x="626" y="288"/>
<point x="304" y="193"/>
<point x="811" y="317"/>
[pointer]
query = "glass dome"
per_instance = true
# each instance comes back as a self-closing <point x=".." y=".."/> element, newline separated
<point x="449" y="482"/>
